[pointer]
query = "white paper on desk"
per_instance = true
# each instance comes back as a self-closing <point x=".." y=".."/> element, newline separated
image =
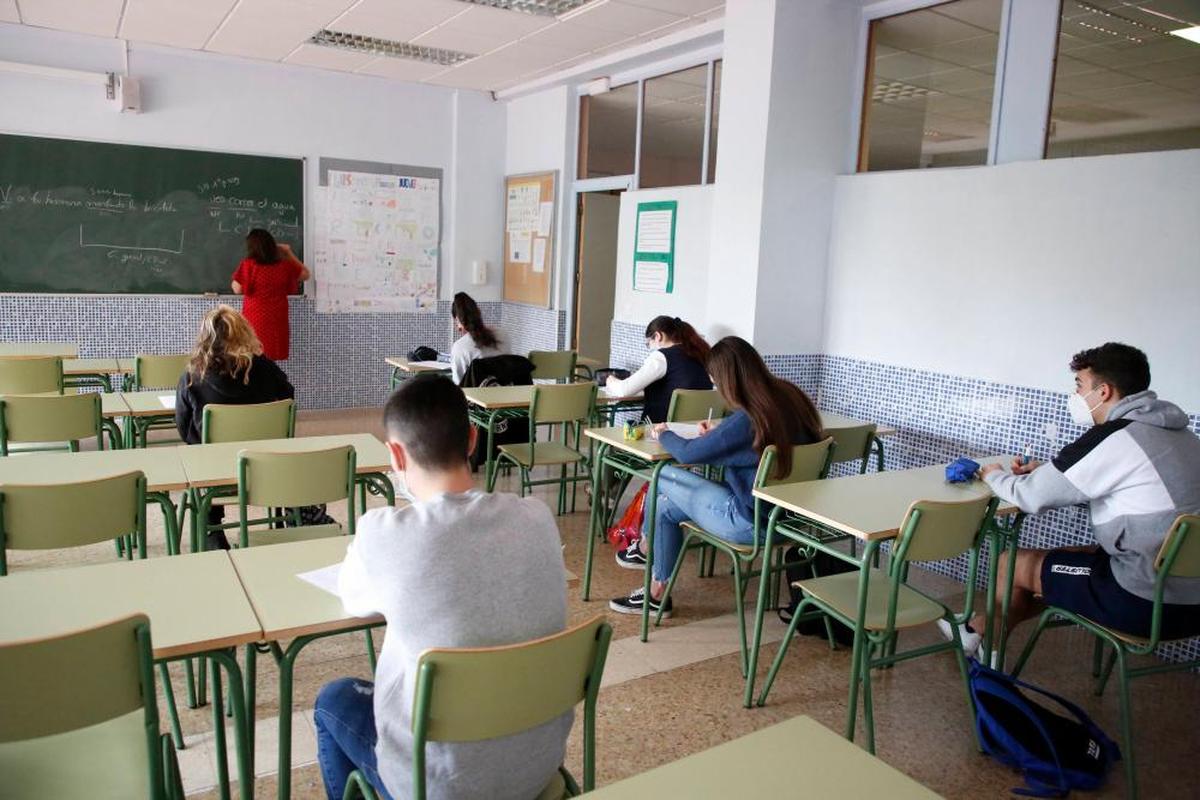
<point x="324" y="578"/>
<point x="167" y="400"/>
<point x="429" y="364"/>
<point x="687" y="430"/>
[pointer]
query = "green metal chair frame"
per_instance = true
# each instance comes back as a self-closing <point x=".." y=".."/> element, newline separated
<point x="289" y="480"/>
<point x="1178" y="557"/>
<point x="570" y="406"/>
<point x="472" y="694"/>
<point x="690" y="405"/>
<point x="557" y="365"/>
<point x="79" y="718"/>
<point x="30" y="374"/>
<point x="856" y="443"/>
<point x="931" y="531"/>
<point x="50" y="422"/>
<point x="809" y="462"/>
<point x="155" y="372"/>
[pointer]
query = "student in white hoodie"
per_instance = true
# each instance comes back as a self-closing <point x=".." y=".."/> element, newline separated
<point x="1137" y="467"/>
<point x="456" y="568"/>
<point x="477" y="341"/>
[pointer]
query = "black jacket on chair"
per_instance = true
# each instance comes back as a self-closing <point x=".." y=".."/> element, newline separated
<point x="506" y="370"/>
<point x="267" y="384"/>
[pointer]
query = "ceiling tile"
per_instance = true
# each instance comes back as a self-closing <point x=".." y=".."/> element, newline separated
<point x="984" y="14"/>
<point x="271" y="29"/>
<point x="8" y="11"/>
<point x="399" y="21"/>
<point x="97" y="17"/>
<point x="921" y="29"/>
<point x="533" y="57"/>
<point x="497" y="22"/>
<point x="627" y="20"/>
<point x="481" y="74"/>
<point x="577" y="38"/>
<point x="681" y="7"/>
<point x="402" y="69"/>
<point x="178" y="23"/>
<point x="312" y="55"/>
<point x="449" y="38"/>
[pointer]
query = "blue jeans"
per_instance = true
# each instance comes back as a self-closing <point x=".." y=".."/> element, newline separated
<point x="345" y="719"/>
<point x="684" y="495"/>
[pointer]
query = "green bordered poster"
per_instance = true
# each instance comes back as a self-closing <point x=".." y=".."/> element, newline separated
<point x="654" y="247"/>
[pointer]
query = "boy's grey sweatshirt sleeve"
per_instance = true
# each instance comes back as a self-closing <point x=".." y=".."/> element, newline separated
<point x="1036" y="491"/>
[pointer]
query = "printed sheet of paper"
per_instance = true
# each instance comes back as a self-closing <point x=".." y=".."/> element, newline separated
<point x="167" y="400"/>
<point x="539" y="255"/>
<point x="545" y="217"/>
<point x="651" y="276"/>
<point x="520" y="247"/>
<point x="654" y="231"/>
<point x="324" y="578"/>
<point x="523" y="207"/>
<point x="688" y="430"/>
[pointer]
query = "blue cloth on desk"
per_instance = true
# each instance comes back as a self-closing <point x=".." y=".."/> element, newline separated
<point x="961" y="470"/>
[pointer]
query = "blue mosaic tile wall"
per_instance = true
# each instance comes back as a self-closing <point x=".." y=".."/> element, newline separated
<point x="532" y="328"/>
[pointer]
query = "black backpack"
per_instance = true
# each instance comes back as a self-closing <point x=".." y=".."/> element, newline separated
<point x="506" y="370"/>
<point x="798" y="569"/>
<point x="423" y="353"/>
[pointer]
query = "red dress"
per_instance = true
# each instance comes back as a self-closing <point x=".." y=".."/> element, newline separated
<point x="265" y="289"/>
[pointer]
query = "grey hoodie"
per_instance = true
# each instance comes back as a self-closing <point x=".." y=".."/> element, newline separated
<point x="1137" y="472"/>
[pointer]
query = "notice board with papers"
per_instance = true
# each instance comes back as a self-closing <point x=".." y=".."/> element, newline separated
<point x="529" y="202"/>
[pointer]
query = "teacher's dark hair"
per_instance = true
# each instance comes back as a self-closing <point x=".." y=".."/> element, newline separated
<point x="682" y="334"/>
<point x="428" y="415"/>
<point x="261" y="247"/>
<point x="466" y="311"/>
<point x="780" y="412"/>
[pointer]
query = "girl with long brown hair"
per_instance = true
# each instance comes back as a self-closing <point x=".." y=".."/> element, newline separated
<point x="766" y="410"/>
<point x="478" y="340"/>
<point x="676" y="361"/>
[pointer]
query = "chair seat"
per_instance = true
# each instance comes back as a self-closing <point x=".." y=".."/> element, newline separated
<point x="302" y="534"/>
<point x="1128" y="638"/>
<point x="545" y="453"/>
<point x="717" y="540"/>
<point x="840" y="593"/>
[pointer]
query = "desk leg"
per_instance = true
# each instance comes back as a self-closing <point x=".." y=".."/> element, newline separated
<point x="377" y="483"/>
<point x="598" y="500"/>
<point x="764" y="582"/>
<point x="395" y="381"/>
<point x="114" y="433"/>
<point x="648" y="528"/>
<point x="224" y="659"/>
<point x="489" y="467"/>
<point x="860" y="636"/>
<point x="1012" y="534"/>
<point x="170" y="529"/>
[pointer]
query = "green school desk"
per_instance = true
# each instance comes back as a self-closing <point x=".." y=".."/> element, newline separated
<point x="196" y="606"/>
<point x="290" y="608"/>
<point x="145" y="409"/>
<point x="402" y="369"/>
<point x="89" y="372"/>
<point x="61" y="349"/>
<point x="211" y="469"/>
<point x="869" y="509"/>
<point x="796" y="758"/>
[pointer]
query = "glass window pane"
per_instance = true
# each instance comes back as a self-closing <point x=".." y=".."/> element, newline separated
<point x="673" y="128"/>
<point x="608" y="132"/>
<point x="716" y="118"/>
<point x="930" y="76"/>
<point x="1122" y="82"/>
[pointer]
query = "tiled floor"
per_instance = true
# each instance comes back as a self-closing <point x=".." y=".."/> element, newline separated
<point x="681" y="691"/>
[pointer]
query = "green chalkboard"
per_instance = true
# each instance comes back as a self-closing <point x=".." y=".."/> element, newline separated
<point x="94" y="217"/>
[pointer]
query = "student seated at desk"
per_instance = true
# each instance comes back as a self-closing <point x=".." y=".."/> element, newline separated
<point x="457" y="568"/>
<point x="477" y="341"/>
<point x="1137" y="467"/>
<point x="228" y="367"/>
<point x="676" y="361"/>
<point x="765" y="410"/>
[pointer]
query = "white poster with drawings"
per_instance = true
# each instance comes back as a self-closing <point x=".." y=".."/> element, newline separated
<point x="376" y="243"/>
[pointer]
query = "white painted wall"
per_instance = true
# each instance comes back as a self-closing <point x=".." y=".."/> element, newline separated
<point x="1004" y="272"/>
<point x="477" y="207"/>
<point x="207" y="101"/>
<point x="693" y="224"/>
<point x="540" y="138"/>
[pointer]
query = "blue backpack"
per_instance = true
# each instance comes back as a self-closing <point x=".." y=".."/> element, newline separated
<point x="1055" y="754"/>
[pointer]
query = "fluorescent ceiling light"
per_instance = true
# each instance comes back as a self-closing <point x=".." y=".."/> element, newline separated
<point x="387" y="47"/>
<point x="1191" y="34"/>
<point x="541" y="8"/>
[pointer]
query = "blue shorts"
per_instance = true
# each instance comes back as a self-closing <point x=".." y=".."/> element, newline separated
<point x="1083" y="582"/>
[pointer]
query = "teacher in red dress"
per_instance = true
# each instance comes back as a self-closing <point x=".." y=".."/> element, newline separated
<point x="265" y="278"/>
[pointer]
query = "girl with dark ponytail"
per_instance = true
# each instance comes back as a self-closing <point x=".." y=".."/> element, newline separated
<point x="478" y="340"/>
<point x="676" y="361"/>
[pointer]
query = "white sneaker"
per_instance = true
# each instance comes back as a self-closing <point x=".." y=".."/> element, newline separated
<point x="971" y="640"/>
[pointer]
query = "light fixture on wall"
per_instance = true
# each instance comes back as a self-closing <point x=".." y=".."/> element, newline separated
<point x="387" y="47"/>
<point x="541" y="8"/>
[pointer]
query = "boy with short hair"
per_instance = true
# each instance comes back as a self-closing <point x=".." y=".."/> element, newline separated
<point x="457" y="568"/>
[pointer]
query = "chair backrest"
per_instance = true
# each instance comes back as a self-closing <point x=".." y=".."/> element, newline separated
<point x="934" y="530"/>
<point x="471" y="694"/>
<point x="689" y="405"/>
<point x="158" y="372"/>
<point x="249" y="422"/>
<point x="297" y="478"/>
<point x="30" y="375"/>
<point x="810" y="462"/>
<point x="568" y="402"/>
<point x="1180" y="551"/>
<point x="79" y="715"/>
<point x="53" y="515"/>
<point x="556" y="365"/>
<point x="50" y="418"/>
<point x="852" y="443"/>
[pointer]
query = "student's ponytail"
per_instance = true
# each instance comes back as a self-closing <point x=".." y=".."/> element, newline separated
<point x="466" y="311"/>
<point x="682" y="334"/>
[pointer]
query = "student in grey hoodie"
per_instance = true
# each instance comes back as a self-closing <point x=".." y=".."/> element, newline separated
<point x="456" y="568"/>
<point x="1137" y="467"/>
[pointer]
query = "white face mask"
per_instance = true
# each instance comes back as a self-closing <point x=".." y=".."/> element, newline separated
<point x="401" y="484"/>
<point x="1079" y="410"/>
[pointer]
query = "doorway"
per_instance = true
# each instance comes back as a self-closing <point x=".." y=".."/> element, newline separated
<point x="597" y="216"/>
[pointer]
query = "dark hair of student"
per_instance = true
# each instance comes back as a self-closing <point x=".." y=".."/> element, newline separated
<point x="1121" y="366"/>
<point x="428" y="415"/>
<point x="683" y="334"/>
<point x="780" y="412"/>
<point x="466" y="311"/>
<point x="261" y="247"/>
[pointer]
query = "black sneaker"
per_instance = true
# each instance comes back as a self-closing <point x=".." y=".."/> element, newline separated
<point x="631" y="558"/>
<point x="633" y="604"/>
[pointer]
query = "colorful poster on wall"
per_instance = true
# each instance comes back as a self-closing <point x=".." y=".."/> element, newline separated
<point x="654" y="247"/>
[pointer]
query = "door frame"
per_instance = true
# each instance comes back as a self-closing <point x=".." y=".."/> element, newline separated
<point x="622" y="183"/>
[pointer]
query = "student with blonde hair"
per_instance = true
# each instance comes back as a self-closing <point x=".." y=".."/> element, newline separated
<point x="227" y="366"/>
